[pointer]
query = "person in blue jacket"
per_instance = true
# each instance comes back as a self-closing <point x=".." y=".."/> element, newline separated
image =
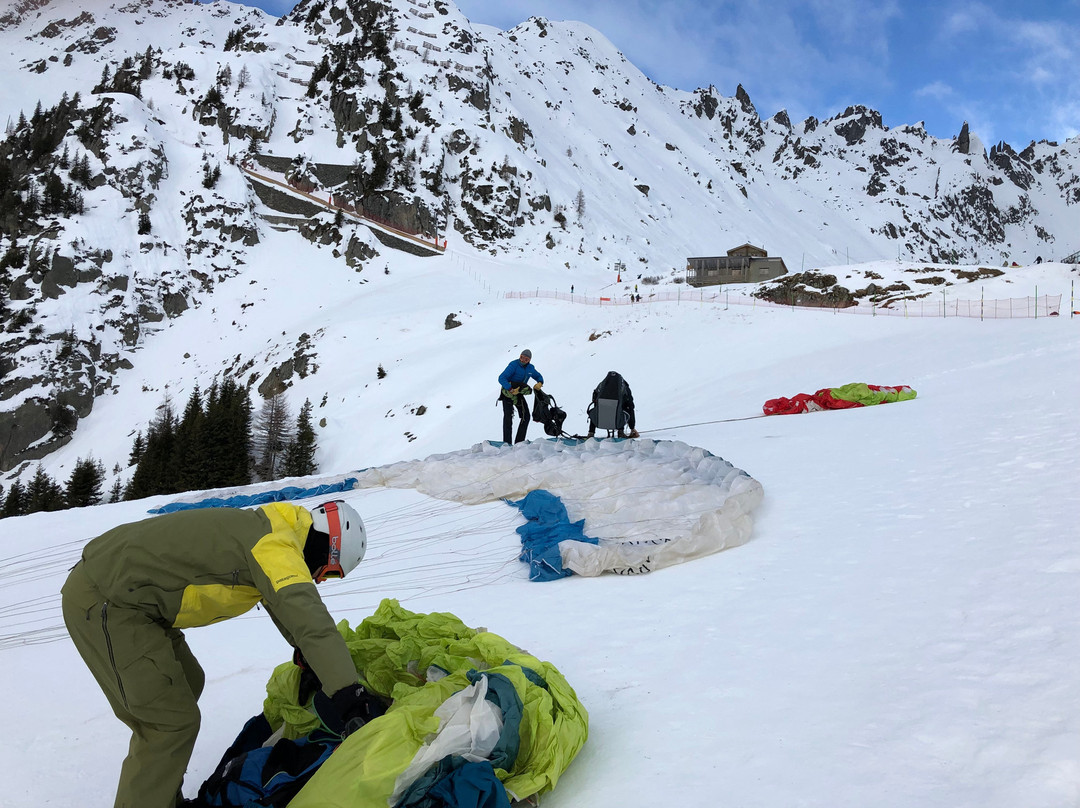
<point x="514" y="382"/>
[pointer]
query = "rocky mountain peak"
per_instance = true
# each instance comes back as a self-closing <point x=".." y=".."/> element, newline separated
<point x="963" y="140"/>
<point x="855" y="121"/>
<point x="130" y="170"/>
<point x="743" y="98"/>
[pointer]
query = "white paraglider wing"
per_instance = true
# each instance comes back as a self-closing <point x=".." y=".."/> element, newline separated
<point x="645" y="504"/>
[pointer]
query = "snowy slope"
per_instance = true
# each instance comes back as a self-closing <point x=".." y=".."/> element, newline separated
<point x="541" y="144"/>
<point x="900" y="629"/>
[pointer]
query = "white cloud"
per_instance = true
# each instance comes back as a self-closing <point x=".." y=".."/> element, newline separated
<point x="963" y="21"/>
<point x="935" y="89"/>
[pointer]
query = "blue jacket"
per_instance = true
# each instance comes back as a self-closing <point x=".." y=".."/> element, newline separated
<point x="518" y="375"/>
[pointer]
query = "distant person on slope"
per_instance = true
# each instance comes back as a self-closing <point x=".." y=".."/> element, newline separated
<point x="514" y="384"/>
<point x="139" y="584"/>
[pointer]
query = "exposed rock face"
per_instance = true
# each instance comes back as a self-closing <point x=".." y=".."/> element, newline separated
<point x="301" y="363"/>
<point x="963" y="140"/>
<point x="856" y="121"/>
<point x="743" y="98"/>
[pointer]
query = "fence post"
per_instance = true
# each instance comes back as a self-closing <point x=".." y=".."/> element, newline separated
<point x="1036" y="301"/>
<point x="982" y="302"/>
<point x="944" y="312"/>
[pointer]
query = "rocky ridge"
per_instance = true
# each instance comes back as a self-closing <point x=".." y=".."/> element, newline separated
<point x="509" y="141"/>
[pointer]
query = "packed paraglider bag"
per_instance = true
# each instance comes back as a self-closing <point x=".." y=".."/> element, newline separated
<point x="547" y="412"/>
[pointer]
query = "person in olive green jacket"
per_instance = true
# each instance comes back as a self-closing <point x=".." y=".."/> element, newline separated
<point x="139" y="584"/>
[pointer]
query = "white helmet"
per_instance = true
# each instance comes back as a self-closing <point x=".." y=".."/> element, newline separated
<point x="348" y="539"/>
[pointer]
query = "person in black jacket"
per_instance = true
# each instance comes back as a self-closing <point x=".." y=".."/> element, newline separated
<point x="614" y="386"/>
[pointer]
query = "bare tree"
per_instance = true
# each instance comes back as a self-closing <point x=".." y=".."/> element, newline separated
<point x="271" y="433"/>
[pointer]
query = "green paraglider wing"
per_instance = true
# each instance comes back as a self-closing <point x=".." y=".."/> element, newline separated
<point x="430" y="664"/>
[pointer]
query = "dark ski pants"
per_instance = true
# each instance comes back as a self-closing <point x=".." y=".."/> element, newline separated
<point x="152" y="682"/>
<point x="509" y="404"/>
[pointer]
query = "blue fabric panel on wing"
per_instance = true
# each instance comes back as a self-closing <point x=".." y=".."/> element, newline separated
<point x="286" y="494"/>
<point x="502" y="694"/>
<point x="547" y="525"/>
<point x="455" y="783"/>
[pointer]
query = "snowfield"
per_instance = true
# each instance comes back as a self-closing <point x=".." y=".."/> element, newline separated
<point x="899" y="630"/>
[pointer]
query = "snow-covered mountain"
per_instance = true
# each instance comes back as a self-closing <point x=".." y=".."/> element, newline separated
<point x="124" y="207"/>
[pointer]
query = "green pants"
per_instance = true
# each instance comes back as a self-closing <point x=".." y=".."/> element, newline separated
<point x="153" y="683"/>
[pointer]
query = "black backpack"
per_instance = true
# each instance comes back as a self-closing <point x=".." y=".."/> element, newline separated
<point x="251" y="774"/>
<point x="545" y="411"/>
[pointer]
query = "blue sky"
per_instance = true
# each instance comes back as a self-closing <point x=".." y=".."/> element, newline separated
<point x="1010" y="69"/>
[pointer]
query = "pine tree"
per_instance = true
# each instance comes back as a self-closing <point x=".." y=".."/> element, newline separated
<point x="300" y="453"/>
<point x="78" y="168"/>
<point x="210" y="175"/>
<point x="84" y="485"/>
<point x="146" y="68"/>
<point x="138" y="446"/>
<point x="189" y="467"/>
<point x="43" y="493"/>
<point x="213" y="436"/>
<point x="240" y="411"/>
<point x="153" y="474"/>
<point x="15" y="501"/>
<point x="227" y="435"/>
<point x="381" y="169"/>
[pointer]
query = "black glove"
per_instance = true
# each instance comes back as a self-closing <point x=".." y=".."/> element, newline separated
<point x="348" y="709"/>
<point x="309" y="680"/>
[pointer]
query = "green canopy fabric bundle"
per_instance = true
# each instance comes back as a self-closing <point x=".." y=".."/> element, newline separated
<point x="420" y="661"/>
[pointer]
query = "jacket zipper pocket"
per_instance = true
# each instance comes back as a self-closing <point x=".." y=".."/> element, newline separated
<point x="112" y="656"/>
